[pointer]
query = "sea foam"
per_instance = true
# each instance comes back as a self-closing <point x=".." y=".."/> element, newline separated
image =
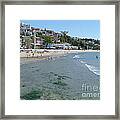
<point x="76" y="57"/>
<point x="93" y="69"/>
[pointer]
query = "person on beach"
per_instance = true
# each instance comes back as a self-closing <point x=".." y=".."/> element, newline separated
<point x="33" y="54"/>
<point x="27" y="53"/>
<point x="97" y="57"/>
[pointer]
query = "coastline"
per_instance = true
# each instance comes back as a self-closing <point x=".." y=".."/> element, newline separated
<point x="62" y="78"/>
<point x="29" y="55"/>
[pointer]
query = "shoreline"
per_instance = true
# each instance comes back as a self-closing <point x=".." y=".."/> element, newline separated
<point x="27" y="55"/>
<point x="61" y="78"/>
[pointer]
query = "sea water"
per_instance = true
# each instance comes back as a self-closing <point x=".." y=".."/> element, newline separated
<point x="91" y="60"/>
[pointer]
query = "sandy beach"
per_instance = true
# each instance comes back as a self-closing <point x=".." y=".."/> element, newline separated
<point x="61" y="78"/>
<point x="30" y="55"/>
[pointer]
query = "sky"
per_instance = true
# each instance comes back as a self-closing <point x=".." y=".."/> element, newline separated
<point x="75" y="28"/>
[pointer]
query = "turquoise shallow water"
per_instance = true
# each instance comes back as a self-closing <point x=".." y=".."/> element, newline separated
<point x="72" y="77"/>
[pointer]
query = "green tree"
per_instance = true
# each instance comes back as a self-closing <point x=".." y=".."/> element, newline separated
<point x="38" y="34"/>
<point x="28" y="42"/>
<point x="47" y="40"/>
<point x="64" y="36"/>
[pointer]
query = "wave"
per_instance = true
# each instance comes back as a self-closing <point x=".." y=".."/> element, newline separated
<point x="82" y="61"/>
<point x="93" y="69"/>
<point x="76" y="57"/>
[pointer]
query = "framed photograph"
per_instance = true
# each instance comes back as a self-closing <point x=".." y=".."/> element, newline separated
<point x="60" y="59"/>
